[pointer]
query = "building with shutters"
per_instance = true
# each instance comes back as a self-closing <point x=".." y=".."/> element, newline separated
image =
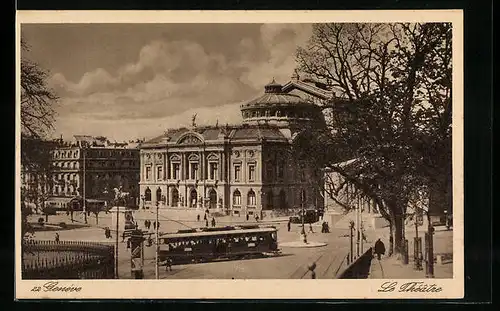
<point x="91" y="167"/>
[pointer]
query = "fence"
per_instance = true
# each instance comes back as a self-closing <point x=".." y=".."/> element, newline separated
<point x="67" y="260"/>
<point x="358" y="269"/>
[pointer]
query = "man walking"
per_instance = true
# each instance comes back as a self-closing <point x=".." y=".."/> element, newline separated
<point x="310" y="228"/>
<point x="379" y="248"/>
<point x="289" y="225"/>
<point x="213" y="221"/>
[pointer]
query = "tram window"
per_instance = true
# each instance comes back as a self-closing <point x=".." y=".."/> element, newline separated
<point x="261" y="238"/>
<point x="254" y="238"/>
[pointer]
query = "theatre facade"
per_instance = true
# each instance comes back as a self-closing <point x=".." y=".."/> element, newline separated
<point x="238" y="169"/>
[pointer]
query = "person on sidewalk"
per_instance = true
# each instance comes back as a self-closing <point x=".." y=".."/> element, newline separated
<point x="311" y="228"/>
<point x="289" y="225"/>
<point x="213" y="221"/>
<point x="379" y="248"/>
<point x="311" y="268"/>
<point x="57" y="237"/>
<point x="198" y="217"/>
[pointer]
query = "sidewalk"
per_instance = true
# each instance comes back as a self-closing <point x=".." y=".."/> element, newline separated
<point x="392" y="268"/>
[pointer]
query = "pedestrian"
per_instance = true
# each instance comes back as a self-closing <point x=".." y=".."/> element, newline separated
<point x="379" y="248"/>
<point x="149" y="224"/>
<point x="158" y="225"/>
<point x="154" y="225"/>
<point x="213" y="221"/>
<point x="146" y="223"/>
<point x="311" y="268"/>
<point x="169" y="264"/>
<point x="128" y="243"/>
<point x="311" y="228"/>
<point x="123" y="236"/>
<point x="257" y="218"/>
<point x="198" y="217"/>
<point x="205" y="217"/>
<point x="57" y="237"/>
<point x="248" y="216"/>
<point x="289" y="225"/>
<point x="206" y="222"/>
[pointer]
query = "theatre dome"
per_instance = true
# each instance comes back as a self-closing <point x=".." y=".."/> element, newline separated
<point x="279" y="108"/>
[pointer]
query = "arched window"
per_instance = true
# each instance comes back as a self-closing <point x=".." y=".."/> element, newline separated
<point x="237" y="197"/>
<point x="193" y="198"/>
<point x="282" y="199"/>
<point x="212" y="195"/>
<point x="147" y="194"/>
<point x="175" y="197"/>
<point x="251" y="198"/>
<point x="270" y="199"/>
<point x="158" y="194"/>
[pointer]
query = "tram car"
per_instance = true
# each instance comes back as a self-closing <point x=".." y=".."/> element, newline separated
<point x="209" y="244"/>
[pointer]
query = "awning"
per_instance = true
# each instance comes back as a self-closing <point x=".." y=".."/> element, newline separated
<point x="59" y="199"/>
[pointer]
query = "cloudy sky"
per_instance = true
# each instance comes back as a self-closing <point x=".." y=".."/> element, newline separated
<point x="131" y="81"/>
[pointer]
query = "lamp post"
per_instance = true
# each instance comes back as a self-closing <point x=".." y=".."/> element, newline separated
<point x="304" y="235"/>
<point x="157" y="267"/>
<point x="84" y="182"/>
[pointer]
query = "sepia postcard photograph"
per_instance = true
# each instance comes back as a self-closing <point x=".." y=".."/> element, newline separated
<point x="239" y="154"/>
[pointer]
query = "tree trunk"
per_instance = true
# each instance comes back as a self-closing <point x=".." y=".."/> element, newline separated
<point x="391" y="238"/>
<point x="398" y="234"/>
<point x="97" y="219"/>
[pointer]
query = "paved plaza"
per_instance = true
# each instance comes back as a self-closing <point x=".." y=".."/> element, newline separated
<point x="290" y="264"/>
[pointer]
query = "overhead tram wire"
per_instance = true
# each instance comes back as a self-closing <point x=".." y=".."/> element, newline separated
<point x="121" y="231"/>
<point x="169" y="219"/>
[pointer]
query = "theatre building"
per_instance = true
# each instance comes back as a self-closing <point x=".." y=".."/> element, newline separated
<point x="237" y="169"/>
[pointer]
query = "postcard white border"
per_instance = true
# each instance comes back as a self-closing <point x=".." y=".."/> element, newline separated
<point x="259" y="289"/>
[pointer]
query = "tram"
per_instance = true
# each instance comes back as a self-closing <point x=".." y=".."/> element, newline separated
<point x="209" y="244"/>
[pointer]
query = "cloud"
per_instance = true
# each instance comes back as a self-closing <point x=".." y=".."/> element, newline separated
<point x="171" y="80"/>
<point x="280" y="41"/>
<point x="125" y="129"/>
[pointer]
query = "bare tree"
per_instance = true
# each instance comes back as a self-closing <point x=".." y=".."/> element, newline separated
<point x="37" y="117"/>
<point x="391" y="113"/>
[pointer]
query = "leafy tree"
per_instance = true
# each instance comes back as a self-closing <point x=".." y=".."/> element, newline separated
<point x="391" y="112"/>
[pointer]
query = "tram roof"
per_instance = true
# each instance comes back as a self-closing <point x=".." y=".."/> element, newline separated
<point x="213" y="233"/>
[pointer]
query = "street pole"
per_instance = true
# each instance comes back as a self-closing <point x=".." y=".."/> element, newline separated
<point x="84" y="171"/>
<point x="361" y="224"/>
<point x="430" y="259"/>
<point x="356" y="214"/>
<point x="116" y="241"/>
<point x="157" y="267"/>
<point x="303" y="218"/>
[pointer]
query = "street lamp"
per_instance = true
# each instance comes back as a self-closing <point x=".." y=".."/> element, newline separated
<point x="304" y="235"/>
<point x="157" y="266"/>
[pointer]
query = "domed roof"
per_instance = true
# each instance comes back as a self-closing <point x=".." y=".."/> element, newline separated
<point x="279" y="108"/>
<point x="274" y="95"/>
